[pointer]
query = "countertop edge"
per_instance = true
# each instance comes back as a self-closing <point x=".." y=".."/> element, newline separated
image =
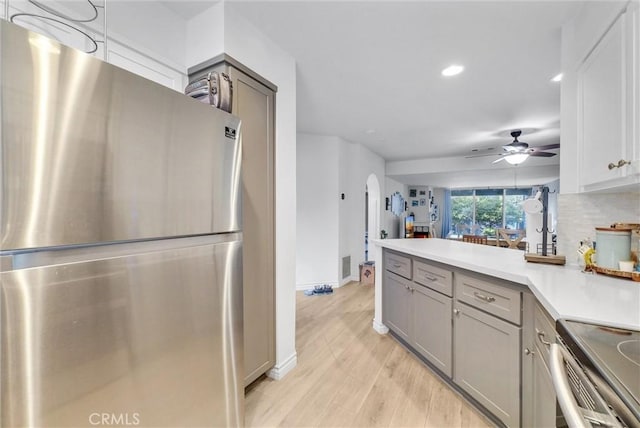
<point x="532" y="276"/>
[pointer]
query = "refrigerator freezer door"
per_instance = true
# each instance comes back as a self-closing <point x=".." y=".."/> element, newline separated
<point x="152" y="339"/>
<point x="93" y="153"/>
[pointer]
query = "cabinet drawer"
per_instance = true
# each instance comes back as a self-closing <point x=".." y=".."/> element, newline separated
<point x="436" y="278"/>
<point x="500" y="301"/>
<point x="398" y="264"/>
<point x="545" y="332"/>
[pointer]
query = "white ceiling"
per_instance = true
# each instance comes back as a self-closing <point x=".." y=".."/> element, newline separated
<point x="369" y="72"/>
<point x="187" y="9"/>
<point x="376" y="65"/>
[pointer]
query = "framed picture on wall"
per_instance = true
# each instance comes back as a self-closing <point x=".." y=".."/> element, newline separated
<point x="414" y="203"/>
<point x="423" y="192"/>
<point x="423" y="202"/>
<point x="412" y="193"/>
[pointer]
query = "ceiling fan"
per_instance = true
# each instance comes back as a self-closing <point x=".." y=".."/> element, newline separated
<point x="518" y="151"/>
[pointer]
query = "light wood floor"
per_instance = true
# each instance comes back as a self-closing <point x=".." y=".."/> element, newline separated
<point x="350" y="376"/>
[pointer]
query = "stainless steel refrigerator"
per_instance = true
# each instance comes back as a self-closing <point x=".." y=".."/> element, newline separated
<point x="120" y="263"/>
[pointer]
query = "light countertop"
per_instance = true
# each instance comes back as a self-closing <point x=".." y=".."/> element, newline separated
<point x="564" y="291"/>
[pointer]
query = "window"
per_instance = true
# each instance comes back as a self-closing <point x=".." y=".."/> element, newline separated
<point x="461" y="210"/>
<point x="482" y="211"/>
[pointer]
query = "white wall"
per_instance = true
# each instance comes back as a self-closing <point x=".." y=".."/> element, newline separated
<point x="205" y="35"/>
<point x="390" y="222"/>
<point x="338" y="167"/>
<point x="350" y="164"/>
<point x="364" y="163"/>
<point x="249" y="46"/>
<point x="317" y="212"/>
<point x="348" y="208"/>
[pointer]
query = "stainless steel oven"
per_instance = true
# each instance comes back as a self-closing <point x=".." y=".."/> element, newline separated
<point x="596" y="374"/>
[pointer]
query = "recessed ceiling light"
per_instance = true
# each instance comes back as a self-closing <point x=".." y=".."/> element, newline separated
<point x="452" y="70"/>
<point x="370" y="131"/>
<point x="557" y="78"/>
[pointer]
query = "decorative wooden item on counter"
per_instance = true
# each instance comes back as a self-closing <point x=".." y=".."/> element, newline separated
<point x="475" y="239"/>
<point x="549" y="259"/>
<point x="634" y="276"/>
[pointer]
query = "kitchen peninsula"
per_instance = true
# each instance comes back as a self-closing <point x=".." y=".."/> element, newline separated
<point x="482" y="318"/>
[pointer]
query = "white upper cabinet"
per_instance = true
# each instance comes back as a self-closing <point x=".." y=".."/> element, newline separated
<point x="608" y="143"/>
<point x="147" y="49"/>
<point x="145" y="65"/>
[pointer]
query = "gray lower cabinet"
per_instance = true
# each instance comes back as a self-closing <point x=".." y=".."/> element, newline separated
<point x="471" y="327"/>
<point x="541" y="391"/>
<point x="432" y="327"/>
<point x="486" y="361"/>
<point x="544" y="394"/>
<point x="254" y="103"/>
<point x="417" y="314"/>
<point x="396" y="295"/>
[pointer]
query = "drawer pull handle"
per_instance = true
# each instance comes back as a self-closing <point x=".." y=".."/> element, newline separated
<point x="397" y="265"/>
<point x="482" y="297"/>
<point x="620" y="164"/>
<point x="541" y="338"/>
<point x="430" y="278"/>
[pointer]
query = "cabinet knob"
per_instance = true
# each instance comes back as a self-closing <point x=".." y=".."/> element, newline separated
<point x="456" y="311"/>
<point x="528" y="351"/>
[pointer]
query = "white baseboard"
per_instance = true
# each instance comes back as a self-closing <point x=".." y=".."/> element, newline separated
<point x="280" y="370"/>
<point x="379" y="327"/>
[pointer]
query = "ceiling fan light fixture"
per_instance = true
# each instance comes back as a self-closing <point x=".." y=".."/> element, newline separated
<point x="516" y="158"/>
<point x="452" y="70"/>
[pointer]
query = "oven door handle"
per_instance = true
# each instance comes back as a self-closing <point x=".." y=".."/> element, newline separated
<point x="568" y="404"/>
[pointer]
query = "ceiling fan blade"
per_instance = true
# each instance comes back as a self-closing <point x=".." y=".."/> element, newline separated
<point x="481" y="156"/>
<point x="547" y="147"/>
<point x="498" y="160"/>
<point x="542" y="154"/>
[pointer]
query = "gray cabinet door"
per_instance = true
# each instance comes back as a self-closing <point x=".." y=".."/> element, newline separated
<point x="432" y="327"/>
<point x="486" y="361"/>
<point x="396" y="303"/>
<point x="254" y="100"/>
<point x="544" y="394"/>
<point x="254" y="103"/>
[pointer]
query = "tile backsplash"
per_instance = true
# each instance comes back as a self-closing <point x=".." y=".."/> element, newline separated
<point x="579" y="214"/>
